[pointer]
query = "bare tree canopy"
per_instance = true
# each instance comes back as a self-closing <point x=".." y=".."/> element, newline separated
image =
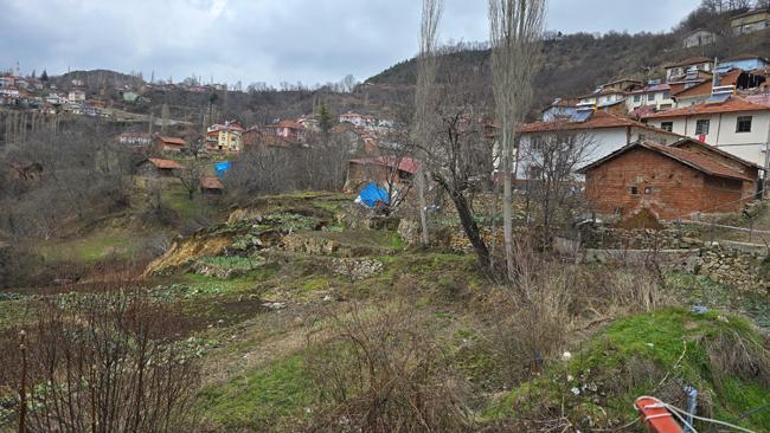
<point x="516" y="29"/>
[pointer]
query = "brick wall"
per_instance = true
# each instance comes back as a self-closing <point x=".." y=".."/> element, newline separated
<point x="668" y="188"/>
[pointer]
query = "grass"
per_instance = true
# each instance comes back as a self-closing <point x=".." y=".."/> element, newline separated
<point x="258" y="398"/>
<point x="633" y="356"/>
<point x="95" y="246"/>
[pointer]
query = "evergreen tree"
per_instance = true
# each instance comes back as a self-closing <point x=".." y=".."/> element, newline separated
<point x="44" y="76"/>
<point x="325" y="120"/>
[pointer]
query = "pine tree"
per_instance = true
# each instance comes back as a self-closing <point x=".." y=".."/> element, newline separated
<point x="325" y="121"/>
<point x="44" y="76"/>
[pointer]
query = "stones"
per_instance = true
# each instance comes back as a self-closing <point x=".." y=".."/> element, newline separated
<point x="357" y="269"/>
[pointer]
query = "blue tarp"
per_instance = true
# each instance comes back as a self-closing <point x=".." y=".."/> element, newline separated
<point x="222" y="167"/>
<point x="373" y="194"/>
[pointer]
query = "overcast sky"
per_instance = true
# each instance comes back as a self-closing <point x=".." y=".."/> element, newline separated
<point x="270" y="41"/>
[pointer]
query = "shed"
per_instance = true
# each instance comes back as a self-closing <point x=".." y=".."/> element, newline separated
<point x="211" y="185"/>
<point x="671" y="182"/>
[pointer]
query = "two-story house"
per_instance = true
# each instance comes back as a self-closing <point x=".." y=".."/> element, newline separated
<point x="227" y="137"/>
<point x="655" y="95"/>
<point x="678" y="71"/>
<point x="731" y="123"/>
<point x="752" y="21"/>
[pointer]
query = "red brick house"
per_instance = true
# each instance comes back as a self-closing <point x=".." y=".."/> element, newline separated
<point x="671" y="182"/>
<point x="381" y="169"/>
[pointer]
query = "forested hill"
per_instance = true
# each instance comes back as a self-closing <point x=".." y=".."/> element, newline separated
<point x="575" y="64"/>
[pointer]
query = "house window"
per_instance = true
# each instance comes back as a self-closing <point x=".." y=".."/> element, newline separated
<point x="650" y="97"/>
<point x="667" y="126"/>
<point x="634" y="190"/>
<point x="702" y="127"/>
<point x="744" y="124"/>
<point x="637" y="98"/>
<point x="666" y="94"/>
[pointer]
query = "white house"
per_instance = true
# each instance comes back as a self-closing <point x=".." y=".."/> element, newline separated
<point x="752" y="21"/>
<point x="678" y="71"/>
<point x="699" y="38"/>
<point x="76" y="96"/>
<point x="601" y="132"/>
<point x="656" y="95"/>
<point x="357" y="119"/>
<point x="733" y="124"/>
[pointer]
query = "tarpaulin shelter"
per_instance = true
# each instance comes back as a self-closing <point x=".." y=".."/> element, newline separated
<point x="372" y="194"/>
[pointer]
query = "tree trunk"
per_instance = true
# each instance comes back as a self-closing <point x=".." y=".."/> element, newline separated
<point x="421" y="202"/>
<point x="470" y="227"/>
<point x="508" y="205"/>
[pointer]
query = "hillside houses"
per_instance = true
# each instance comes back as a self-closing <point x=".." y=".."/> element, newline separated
<point x="750" y="22"/>
<point x="600" y="132"/>
<point x="733" y="124"/>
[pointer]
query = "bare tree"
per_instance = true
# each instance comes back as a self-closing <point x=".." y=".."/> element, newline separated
<point x="104" y="364"/>
<point x="190" y="176"/>
<point x="516" y="29"/>
<point x="549" y="162"/>
<point x="426" y="81"/>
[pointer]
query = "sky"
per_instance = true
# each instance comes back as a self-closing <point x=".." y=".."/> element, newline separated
<point x="270" y="41"/>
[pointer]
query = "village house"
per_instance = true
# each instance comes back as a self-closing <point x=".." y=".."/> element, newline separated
<point x="678" y="71"/>
<point x="357" y="119"/>
<point x="600" y="133"/>
<point x="669" y="182"/>
<point x="655" y="96"/>
<point x="76" y="96"/>
<point x="170" y="144"/>
<point x="227" y="137"/>
<point x="211" y="185"/>
<point x="158" y="167"/>
<point x="747" y="62"/>
<point x="699" y="38"/>
<point x="380" y="170"/>
<point x="286" y="129"/>
<point x="733" y="124"/>
<point x="751" y="21"/>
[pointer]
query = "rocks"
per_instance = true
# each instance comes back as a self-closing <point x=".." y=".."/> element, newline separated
<point x="308" y="244"/>
<point x="357" y="269"/>
<point x="275" y="306"/>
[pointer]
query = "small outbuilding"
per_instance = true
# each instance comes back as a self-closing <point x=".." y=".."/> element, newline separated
<point x="211" y="185"/>
<point x="671" y="182"/>
<point x="158" y="166"/>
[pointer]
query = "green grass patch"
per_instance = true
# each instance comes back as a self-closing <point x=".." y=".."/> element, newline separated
<point x="95" y="246"/>
<point x="632" y="356"/>
<point x="262" y="398"/>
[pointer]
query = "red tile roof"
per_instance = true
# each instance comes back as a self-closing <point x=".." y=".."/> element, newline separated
<point x="705" y="88"/>
<point x="211" y="182"/>
<point x="406" y="164"/>
<point x="599" y="120"/>
<point x="174" y="141"/>
<point x="714" y="149"/>
<point x="166" y="164"/>
<point x="732" y="105"/>
<point x="291" y="124"/>
<point x="689" y="158"/>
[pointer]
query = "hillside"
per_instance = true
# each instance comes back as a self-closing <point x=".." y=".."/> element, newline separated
<point x="576" y="64"/>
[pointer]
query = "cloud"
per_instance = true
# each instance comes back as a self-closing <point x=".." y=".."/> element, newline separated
<point x="268" y="40"/>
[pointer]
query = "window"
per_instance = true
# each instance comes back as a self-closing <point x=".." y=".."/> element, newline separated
<point x="637" y="98"/>
<point x="743" y="124"/>
<point x="667" y="126"/>
<point x="634" y="190"/>
<point x="702" y="127"/>
<point x="650" y="97"/>
<point x="666" y="94"/>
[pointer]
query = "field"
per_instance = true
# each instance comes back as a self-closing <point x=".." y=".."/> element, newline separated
<point x="288" y="295"/>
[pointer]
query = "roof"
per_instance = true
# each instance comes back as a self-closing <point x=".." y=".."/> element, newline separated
<point x="211" y="182"/>
<point x="750" y="13"/>
<point x="762" y="99"/>
<point x="689" y="158"/>
<point x="406" y="164"/>
<point x="172" y="140"/>
<point x="732" y="105"/>
<point x="716" y="150"/>
<point x="227" y="126"/>
<point x="740" y="57"/>
<point x="291" y="124"/>
<point x="599" y="120"/>
<point x="688" y="62"/>
<point x="166" y="164"/>
<point x="705" y="88"/>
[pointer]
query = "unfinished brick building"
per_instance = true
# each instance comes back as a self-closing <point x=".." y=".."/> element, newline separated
<point x="671" y="182"/>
